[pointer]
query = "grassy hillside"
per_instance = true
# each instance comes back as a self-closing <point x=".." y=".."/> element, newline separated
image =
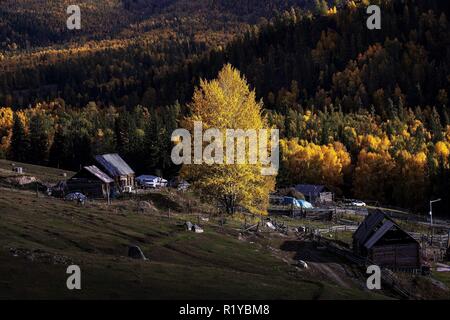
<point x="40" y="236"/>
<point x="46" y="174"/>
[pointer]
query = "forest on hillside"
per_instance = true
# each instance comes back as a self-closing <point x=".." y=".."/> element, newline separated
<point x="310" y="61"/>
<point x="364" y="112"/>
<point x="26" y="24"/>
<point x="119" y="65"/>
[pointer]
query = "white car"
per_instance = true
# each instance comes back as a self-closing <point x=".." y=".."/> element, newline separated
<point x="149" y="181"/>
<point x="358" y="203"/>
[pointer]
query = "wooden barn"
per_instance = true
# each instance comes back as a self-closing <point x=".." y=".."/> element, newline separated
<point x="90" y="181"/>
<point x="315" y="193"/>
<point x="383" y="242"/>
<point x="117" y="169"/>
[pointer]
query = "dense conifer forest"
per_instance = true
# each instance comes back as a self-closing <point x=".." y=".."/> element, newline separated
<point x="364" y="112"/>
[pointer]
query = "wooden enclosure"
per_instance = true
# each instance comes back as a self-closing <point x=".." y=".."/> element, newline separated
<point x="385" y="244"/>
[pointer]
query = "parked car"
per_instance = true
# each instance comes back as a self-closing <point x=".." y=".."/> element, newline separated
<point x="76" y="196"/>
<point x="149" y="181"/>
<point x="179" y="184"/>
<point x="358" y="203"/>
<point x="354" y="203"/>
<point x="183" y="186"/>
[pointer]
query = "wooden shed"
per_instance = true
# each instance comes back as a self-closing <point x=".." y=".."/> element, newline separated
<point x="315" y="193"/>
<point x="117" y="169"/>
<point x="90" y="181"/>
<point x="384" y="243"/>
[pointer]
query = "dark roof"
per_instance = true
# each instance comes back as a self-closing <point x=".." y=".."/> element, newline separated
<point x="366" y="227"/>
<point x="99" y="174"/>
<point x="147" y="177"/>
<point x="114" y="164"/>
<point x="310" y="189"/>
<point x="376" y="225"/>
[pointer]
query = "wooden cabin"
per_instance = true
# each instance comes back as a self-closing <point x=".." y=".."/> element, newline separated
<point x="90" y="181"/>
<point x="317" y="194"/>
<point x="384" y="243"/>
<point x="118" y="170"/>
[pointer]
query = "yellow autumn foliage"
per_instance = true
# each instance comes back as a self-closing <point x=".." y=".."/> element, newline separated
<point x="24" y="118"/>
<point x="311" y="163"/>
<point x="372" y="175"/>
<point x="447" y="133"/>
<point x="332" y="11"/>
<point x="228" y="103"/>
<point x="442" y="149"/>
<point x="6" y="118"/>
<point x="6" y="122"/>
<point x="410" y="177"/>
<point x="375" y="143"/>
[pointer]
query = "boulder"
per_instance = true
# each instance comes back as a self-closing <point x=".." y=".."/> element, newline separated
<point x="146" y="206"/>
<point x="197" y="229"/>
<point x="192" y="227"/>
<point x="302" y="264"/>
<point x="270" y="225"/>
<point x="136" y="253"/>
<point x="188" y="225"/>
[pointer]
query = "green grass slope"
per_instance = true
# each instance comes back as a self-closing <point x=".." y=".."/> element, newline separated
<point x="45" y="174"/>
<point x="41" y="236"/>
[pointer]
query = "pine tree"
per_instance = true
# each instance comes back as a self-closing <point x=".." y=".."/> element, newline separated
<point x="152" y="149"/>
<point x="122" y="133"/>
<point x="57" y="154"/>
<point x="82" y="151"/>
<point x="38" y="140"/>
<point x="436" y="125"/>
<point x="19" y="141"/>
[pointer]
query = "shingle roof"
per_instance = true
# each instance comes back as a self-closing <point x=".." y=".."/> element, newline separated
<point x="99" y="174"/>
<point x="365" y="229"/>
<point x="374" y="227"/>
<point x="387" y="225"/>
<point x="147" y="177"/>
<point x="310" y="189"/>
<point x="114" y="164"/>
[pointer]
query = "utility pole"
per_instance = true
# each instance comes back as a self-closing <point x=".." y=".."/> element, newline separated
<point x="431" y="217"/>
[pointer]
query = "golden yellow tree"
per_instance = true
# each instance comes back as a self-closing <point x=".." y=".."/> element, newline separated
<point x="311" y="163"/>
<point x="443" y="150"/>
<point x="410" y="178"/>
<point x="6" y="123"/>
<point x="228" y="103"/>
<point x="372" y="176"/>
